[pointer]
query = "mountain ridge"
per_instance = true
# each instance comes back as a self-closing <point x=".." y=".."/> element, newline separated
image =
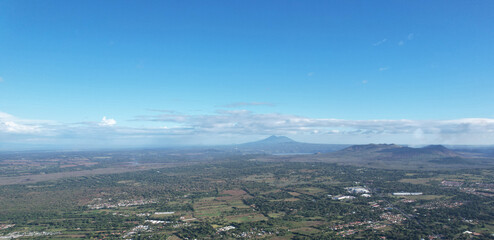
<point x="397" y="152"/>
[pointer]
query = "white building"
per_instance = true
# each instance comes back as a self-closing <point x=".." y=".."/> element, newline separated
<point x="407" y="193"/>
<point x="357" y="190"/>
<point x="343" y="198"/>
<point x="227" y="228"/>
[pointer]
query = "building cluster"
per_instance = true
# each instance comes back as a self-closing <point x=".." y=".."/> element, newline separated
<point x="472" y="233"/>
<point x="224" y="229"/>
<point x="187" y="219"/>
<point x="136" y="229"/>
<point x="347" y="232"/>
<point x="253" y="233"/>
<point x="451" y="183"/>
<point x="404" y="200"/>
<point x="486" y="192"/>
<point x="357" y="190"/>
<point x="5" y="226"/>
<point x="124" y="203"/>
<point x="181" y="225"/>
<point x="364" y="192"/>
<point x="164" y="213"/>
<point x="342" y="197"/>
<point x="393" y="218"/>
<point x="343" y="231"/>
<point x="350" y="224"/>
<point x="155" y="221"/>
<point x="143" y="214"/>
<point x="440" y="204"/>
<point x="407" y="193"/>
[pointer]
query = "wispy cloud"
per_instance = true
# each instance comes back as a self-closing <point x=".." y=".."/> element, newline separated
<point x="310" y="74"/>
<point x="408" y="38"/>
<point x="13" y="127"/>
<point x="1" y="79"/>
<point x="11" y="124"/>
<point x="380" y="42"/>
<point x="245" y="104"/>
<point x="383" y="69"/>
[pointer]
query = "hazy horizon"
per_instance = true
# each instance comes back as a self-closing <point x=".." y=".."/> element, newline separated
<point x="70" y="147"/>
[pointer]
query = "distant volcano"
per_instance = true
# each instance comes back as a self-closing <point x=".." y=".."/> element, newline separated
<point x="282" y="144"/>
<point x="274" y="140"/>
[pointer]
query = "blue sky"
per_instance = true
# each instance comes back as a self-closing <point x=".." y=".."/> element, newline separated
<point x="216" y="72"/>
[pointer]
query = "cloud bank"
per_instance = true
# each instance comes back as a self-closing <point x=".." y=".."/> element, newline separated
<point x="238" y="125"/>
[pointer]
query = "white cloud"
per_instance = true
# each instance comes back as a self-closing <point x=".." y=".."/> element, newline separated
<point x="380" y="42"/>
<point x="401" y="43"/>
<point x="418" y="133"/>
<point x="13" y="127"/>
<point x="383" y="69"/>
<point x="107" y="122"/>
<point x="410" y="36"/>
<point x="5" y="116"/>
<point x="11" y="124"/>
<point x="364" y="81"/>
<point x="310" y="74"/>
<point x="1" y="79"/>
